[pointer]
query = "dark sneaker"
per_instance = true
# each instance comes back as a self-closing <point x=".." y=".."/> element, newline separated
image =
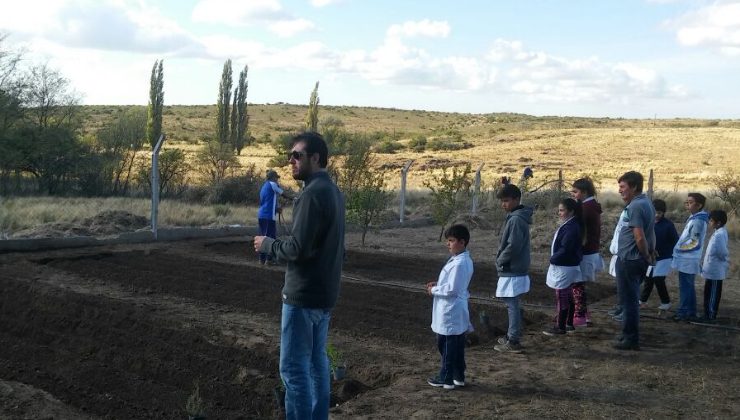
<point x="554" y="331"/>
<point x="679" y="318"/>
<point x="436" y="382"/>
<point x="626" y="345"/>
<point x="508" y="347"/>
<point x="615" y="311"/>
<point x="618" y="317"/>
<point x="460" y="383"/>
<point x="570" y="329"/>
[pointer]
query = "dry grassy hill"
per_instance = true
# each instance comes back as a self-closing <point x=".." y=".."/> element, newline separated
<point x="684" y="153"/>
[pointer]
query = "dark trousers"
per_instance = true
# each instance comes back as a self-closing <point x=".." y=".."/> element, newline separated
<point x="659" y="283"/>
<point x="712" y="295"/>
<point x="565" y="307"/>
<point x="629" y="275"/>
<point x="452" y="349"/>
<point x="267" y="228"/>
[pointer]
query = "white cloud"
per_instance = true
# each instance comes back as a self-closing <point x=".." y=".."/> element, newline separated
<point x="238" y="12"/>
<point x="426" y="27"/>
<point x="288" y="28"/>
<point x="716" y="26"/>
<point x="322" y="3"/>
<point x="269" y="13"/>
<point x="111" y="26"/>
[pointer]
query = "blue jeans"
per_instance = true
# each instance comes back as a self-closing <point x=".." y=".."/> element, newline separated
<point x="515" y="318"/>
<point x="686" y="295"/>
<point x="629" y="274"/>
<point x="304" y="366"/>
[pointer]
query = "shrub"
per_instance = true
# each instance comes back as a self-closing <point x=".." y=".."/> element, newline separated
<point x="388" y="146"/>
<point x="418" y="143"/>
<point x="448" y="143"/>
<point x="727" y="189"/>
<point x="240" y="189"/>
<point x="449" y="191"/>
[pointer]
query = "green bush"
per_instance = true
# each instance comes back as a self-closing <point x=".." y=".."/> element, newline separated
<point x="418" y="143"/>
<point x="240" y="189"/>
<point x="388" y="146"/>
<point x="448" y="143"/>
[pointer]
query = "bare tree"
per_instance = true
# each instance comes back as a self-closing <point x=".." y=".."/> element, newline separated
<point x="49" y="98"/>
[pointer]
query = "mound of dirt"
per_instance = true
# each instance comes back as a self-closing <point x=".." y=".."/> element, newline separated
<point x="105" y="223"/>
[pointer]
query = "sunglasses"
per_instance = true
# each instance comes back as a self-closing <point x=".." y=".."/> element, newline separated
<point x="297" y="155"/>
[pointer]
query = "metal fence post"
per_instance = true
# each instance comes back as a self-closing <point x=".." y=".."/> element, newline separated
<point x="476" y="191"/>
<point x="155" y="184"/>
<point x="402" y="199"/>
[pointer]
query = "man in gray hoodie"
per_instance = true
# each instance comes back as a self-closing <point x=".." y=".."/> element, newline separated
<point x="314" y="253"/>
<point x="512" y="264"/>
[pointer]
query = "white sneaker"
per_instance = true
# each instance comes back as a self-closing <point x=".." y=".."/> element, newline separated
<point x="458" y="383"/>
<point x="664" y="306"/>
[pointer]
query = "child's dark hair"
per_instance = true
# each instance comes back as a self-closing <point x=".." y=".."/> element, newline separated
<point x="585" y="185"/>
<point x="509" y="191"/>
<point x="699" y="198"/>
<point x="719" y="216"/>
<point x="660" y="205"/>
<point x="459" y="232"/>
<point x="574" y="206"/>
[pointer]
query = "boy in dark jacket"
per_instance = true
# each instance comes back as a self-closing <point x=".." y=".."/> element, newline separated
<point x="512" y="264"/>
<point x="666" y="237"/>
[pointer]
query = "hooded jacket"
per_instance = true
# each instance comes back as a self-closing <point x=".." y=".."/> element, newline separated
<point x="512" y="258"/>
<point x="688" y="249"/>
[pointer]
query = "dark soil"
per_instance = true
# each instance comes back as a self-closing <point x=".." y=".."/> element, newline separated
<point x="124" y="331"/>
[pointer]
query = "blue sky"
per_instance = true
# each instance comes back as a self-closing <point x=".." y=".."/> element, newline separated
<point x="613" y="58"/>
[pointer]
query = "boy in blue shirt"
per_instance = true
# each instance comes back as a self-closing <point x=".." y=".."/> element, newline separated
<point x="450" y="315"/>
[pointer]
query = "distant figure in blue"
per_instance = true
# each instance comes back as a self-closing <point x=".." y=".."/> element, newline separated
<point x="269" y="209"/>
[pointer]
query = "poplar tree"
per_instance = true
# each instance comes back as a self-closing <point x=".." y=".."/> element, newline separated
<point x="232" y="132"/>
<point x="224" y="101"/>
<point x="242" y="118"/>
<point x="312" y="117"/>
<point x="156" y="104"/>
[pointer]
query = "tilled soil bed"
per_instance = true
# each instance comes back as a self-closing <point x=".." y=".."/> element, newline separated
<point x="125" y="331"/>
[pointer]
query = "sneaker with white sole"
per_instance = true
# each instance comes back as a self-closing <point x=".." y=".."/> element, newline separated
<point x="554" y="331"/>
<point x="665" y="306"/>
<point x="458" y="383"/>
<point x="508" y="347"/>
<point x="438" y="383"/>
<point x="502" y="340"/>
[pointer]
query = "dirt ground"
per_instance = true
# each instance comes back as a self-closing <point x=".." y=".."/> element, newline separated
<point x="126" y="332"/>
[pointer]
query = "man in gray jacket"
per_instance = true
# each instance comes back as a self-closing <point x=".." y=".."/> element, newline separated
<point x="512" y="264"/>
<point x="313" y="252"/>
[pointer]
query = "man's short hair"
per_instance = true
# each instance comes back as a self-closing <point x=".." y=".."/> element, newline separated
<point x="660" y="205"/>
<point x="719" y="216"/>
<point x="632" y="178"/>
<point x="459" y="232"/>
<point x="509" y="191"/>
<point x="699" y="198"/>
<point x="314" y="144"/>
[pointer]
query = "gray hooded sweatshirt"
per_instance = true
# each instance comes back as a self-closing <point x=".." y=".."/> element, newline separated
<point x="512" y="258"/>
